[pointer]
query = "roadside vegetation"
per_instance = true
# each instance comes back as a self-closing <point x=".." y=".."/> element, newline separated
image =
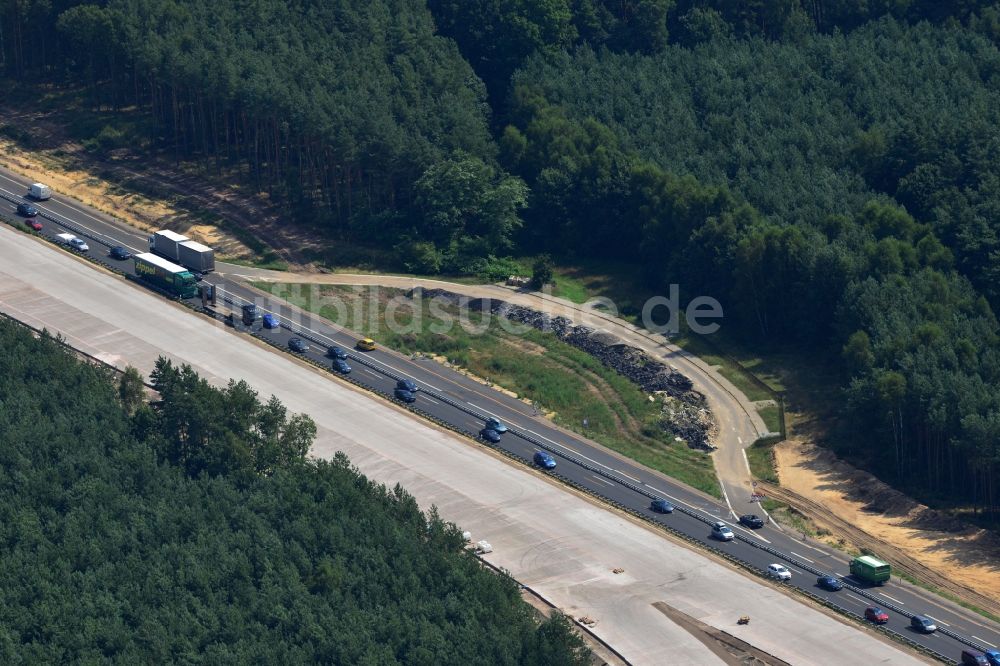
<point x="193" y="528"/>
<point x="565" y="383"/>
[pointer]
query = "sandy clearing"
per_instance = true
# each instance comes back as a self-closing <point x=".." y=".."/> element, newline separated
<point x="966" y="554"/>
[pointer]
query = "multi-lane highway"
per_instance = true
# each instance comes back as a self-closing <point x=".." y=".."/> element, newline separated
<point x="463" y="404"/>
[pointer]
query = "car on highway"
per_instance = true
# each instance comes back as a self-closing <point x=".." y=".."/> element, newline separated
<point x="341" y="366"/>
<point x="831" y="583"/>
<point x="78" y="244"/>
<point x="543" y="459"/>
<point x="298" y="345"/>
<point x="876" y="615"/>
<point x="366" y="344"/>
<point x="752" y="520"/>
<point x="27" y="210"/>
<point x="495" y="424"/>
<point x="992" y="657"/>
<point x="270" y="321"/>
<point x="778" y="572"/>
<point x="404" y="395"/>
<point x="923" y="624"/>
<point x="407" y="385"/>
<point x="336" y="352"/>
<point x="120" y="253"/>
<point x="34" y="223"/>
<point x="661" y="506"/>
<point x="722" y="532"/>
<point x="974" y="658"/>
<point x="490" y="435"/>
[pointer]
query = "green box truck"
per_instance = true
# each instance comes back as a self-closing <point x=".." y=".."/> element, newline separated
<point x="166" y="275"/>
<point x="870" y="569"/>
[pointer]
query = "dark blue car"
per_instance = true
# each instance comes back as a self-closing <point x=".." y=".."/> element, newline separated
<point x="495" y="424"/>
<point x="992" y="656"/>
<point x="407" y="385"/>
<point x="120" y="253"/>
<point x="831" y="583"/>
<point x="661" y="506"/>
<point x="341" y="366"/>
<point x="27" y="210"/>
<point x="543" y="459"/>
<point x="404" y="395"/>
<point x="490" y="435"/>
<point x="337" y="352"/>
<point x="270" y="321"/>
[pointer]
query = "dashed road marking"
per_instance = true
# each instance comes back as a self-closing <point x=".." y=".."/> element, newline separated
<point x="858" y="599"/>
<point x="892" y="598"/>
<point x="602" y="480"/>
<point x="801" y="557"/>
<point x="984" y="641"/>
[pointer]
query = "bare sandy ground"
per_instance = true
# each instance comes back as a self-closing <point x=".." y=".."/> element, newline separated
<point x="962" y="553"/>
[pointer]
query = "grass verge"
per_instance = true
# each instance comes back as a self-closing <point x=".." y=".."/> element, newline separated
<point x="567" y="384"/>
<point x="760" y="455"/>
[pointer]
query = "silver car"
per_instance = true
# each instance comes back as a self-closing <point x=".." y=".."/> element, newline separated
<point x="722" y="532"/>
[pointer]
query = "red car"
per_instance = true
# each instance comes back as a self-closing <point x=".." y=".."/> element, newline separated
<point x="34" y="223"/>
<point x="876" y="615"/>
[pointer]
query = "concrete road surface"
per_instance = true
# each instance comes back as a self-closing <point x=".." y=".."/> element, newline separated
<point x="557" y="543"/>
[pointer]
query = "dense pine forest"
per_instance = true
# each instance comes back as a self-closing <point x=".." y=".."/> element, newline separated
<point x="193" y="529"/>
<point x="828" y="169"/>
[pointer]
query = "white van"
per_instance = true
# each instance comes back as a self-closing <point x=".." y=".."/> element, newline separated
<point x="39" y="192"/>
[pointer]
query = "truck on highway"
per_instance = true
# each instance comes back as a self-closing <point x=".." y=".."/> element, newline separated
<point x="166" y="275"/>
<point x="870" y="569"/>
<point x="39" y="192"/>
<point x="165" y="242"/>
<point x="196" y="256"/>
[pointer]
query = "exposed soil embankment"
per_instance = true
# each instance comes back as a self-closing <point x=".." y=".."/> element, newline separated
<point x="930" y="545"/>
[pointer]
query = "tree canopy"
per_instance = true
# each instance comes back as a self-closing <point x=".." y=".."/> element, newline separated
<point x="194" y="529"/>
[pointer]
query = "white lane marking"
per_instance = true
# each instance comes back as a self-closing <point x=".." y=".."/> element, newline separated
<point x="858" y="599"/>
<point x="370" y="373"/>
<point x="486" y="411"/>
<point x="984" y="641"/>
<point x="429" y="399"/>
<point x="602" y="480"/>
<point x="796" y="571"/>
<point x="801" y="557"/>
<point x="739" y="439"/>
<point x="937" y="620"/>
<point x="818" y="550"/>
<point x="75" y="209"/>
<point x="892" y="598"/>
<point x="751" y="533"/>
<point x="747" y="461"/>
<point x="631" y="478"/>
<point x="60" y="216"/>
<point x="570" y="449"/>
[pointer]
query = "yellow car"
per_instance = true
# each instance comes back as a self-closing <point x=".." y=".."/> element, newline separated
<point x="366" y="344"/>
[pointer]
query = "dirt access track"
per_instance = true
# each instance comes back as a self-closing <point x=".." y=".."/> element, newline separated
<point x="931" y="546"/>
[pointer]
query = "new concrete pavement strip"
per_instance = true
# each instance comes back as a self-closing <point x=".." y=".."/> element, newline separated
<point x="552" y="540"/>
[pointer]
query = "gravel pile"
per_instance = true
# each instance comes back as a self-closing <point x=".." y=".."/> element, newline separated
<point x="685" y="412"/>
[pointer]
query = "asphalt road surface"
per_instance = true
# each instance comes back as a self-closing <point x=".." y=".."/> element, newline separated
<point x="464" y="403"/>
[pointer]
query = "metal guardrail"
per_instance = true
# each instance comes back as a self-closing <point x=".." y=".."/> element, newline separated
<point x="309" y="335"/>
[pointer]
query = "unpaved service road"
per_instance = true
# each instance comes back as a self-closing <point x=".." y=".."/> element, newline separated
<point x="550" y="539"/>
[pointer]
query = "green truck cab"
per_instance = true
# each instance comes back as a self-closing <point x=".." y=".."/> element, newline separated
<point x="870" y="569"/>
<point x="166" y="275"/>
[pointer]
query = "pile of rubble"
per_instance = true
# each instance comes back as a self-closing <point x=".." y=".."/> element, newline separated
<point x="685" y="412"/>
